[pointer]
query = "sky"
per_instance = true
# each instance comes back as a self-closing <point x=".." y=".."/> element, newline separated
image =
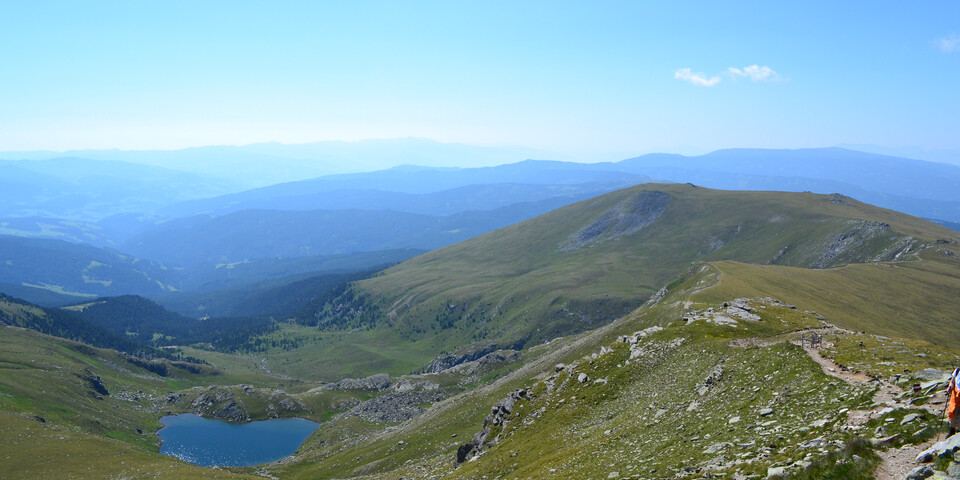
<point x="574" y="77"/>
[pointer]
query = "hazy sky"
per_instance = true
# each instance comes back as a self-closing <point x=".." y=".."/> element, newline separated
<point x="565" y="76"/>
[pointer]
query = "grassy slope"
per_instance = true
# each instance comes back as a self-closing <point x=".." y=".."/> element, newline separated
<point x="915" y="299"/>
<point x="572" y="437"/>
<point x="514" y="283"/>
<point x="40" y="374"/>
<point x="44" y="450"/>
<point x="47" y="377"/>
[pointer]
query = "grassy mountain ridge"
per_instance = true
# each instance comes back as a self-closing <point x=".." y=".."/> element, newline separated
<point x="519" y="285"/>
<point x="690" y="395"/>
<point x="682" y="399"/>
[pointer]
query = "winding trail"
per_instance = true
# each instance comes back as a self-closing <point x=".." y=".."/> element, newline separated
<point x="895" y="462"/>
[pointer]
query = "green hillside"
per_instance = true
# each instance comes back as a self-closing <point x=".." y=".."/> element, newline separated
<point x="673" y="315"/>
<point x="686" y="399"/>
<point x="584" y="265"/>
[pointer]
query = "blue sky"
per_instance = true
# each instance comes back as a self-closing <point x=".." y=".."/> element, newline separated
<point x="579" y="77"/>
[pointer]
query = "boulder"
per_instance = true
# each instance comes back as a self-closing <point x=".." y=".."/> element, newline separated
<point x="909" y="418"/>
<point x="942" y="449"/>
<point x="97" y="384"/>
<point x="932" y="375"/>
<point x="919" y="473"/>
<point x="876" y="442"/>
<point x="776" y="472"/>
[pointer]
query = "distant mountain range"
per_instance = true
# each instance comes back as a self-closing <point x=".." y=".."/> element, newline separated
<point x="89" y="190"/>
<point x="262" y="164"/>
<point x="169" y="230"/>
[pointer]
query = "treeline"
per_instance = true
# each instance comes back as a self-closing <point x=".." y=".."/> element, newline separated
<point x="66" y="324"/>
<point x="147" y="323"/>
<point x="339" y="308"/>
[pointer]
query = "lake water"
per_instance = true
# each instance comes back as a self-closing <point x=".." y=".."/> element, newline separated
<point x="206" y="442"/>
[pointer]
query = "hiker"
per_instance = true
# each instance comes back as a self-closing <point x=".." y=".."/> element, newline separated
<point x="953" y="403"/>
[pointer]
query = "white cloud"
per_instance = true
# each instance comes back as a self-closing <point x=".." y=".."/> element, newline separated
<point x="949" y="44"/>
<point x="755" y="73"/>
<point x="698" y="79"/>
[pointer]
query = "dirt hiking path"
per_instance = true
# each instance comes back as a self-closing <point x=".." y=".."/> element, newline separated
<point x="895" y="462"/>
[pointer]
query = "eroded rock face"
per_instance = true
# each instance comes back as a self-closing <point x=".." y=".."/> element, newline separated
<point x="497" y="417"/>
<point x="227" y="402"/>
<point x="377" y="383"/>
<point x="97" y="385"/>
<point x="395" y="407"/>
<point x="848" y="246"/>
<point x="626" y="217"/>
<point x="500" y="356"/>
<point x="444" y="362"/>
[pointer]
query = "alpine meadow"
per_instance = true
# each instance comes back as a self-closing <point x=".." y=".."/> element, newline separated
<point x="439" y="240"/>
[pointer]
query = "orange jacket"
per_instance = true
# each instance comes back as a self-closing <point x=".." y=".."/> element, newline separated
<point x="953" y="394"/>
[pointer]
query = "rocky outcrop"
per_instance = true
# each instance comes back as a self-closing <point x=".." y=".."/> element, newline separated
<point x="227" y="402"/>
<point x="494" y="358"/>
<point x="444" y="362"/>
<point x="854" y="244"/>
<point x="414" y="383"/>
<point x="497" y="418"/>
<point x="395" y="407"/>
<point x="376" y="383"/>
<point x="626" y="217"/>
<point x="944" y="449"/>
<point x="97" y="385"/>
<point x="840" y="199"/>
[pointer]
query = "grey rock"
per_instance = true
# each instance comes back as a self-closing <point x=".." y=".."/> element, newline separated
<point x="624" y="218"/>
<point x="408" y="385"/>
<point x="919" y="473"/>
<point x="717" y="447"/>
<point x="884" y="441"/>
<point x="776" y="472"/>
<point x="766" y="412"/>
<point x="394" y="407"/>
<point x="497" y="416"/>
<point x="942" y="449"/>
<point x="377" y="383"/>
<point x="909" y="418"/>
<point x="97" y="385"/>
<point x="444" y="362"/>
<point x="931" y="375"/>
<point x="815" y="443"/>
<point x="231" y="411"/>
<point x="713" y="378"/>
<point x="583" y="378"/>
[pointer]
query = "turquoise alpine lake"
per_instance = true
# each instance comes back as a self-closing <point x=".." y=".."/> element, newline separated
<point x="209" y="443"/>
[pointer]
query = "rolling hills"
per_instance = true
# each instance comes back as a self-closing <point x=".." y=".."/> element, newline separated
<point x="648" y="333"/>
<point x="78" y="270"/>
<point x="584" y="265"/>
